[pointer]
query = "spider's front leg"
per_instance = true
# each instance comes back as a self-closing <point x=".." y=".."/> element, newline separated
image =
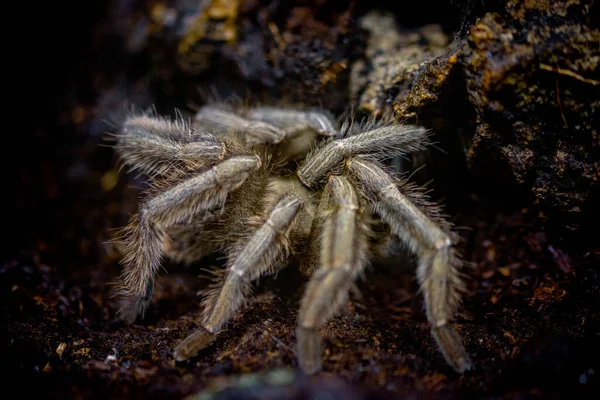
<point x="311" y="259"/>
<point x="248" y="260"/>
<point x="421" y="229"/>
<point x="343" y="252"/>
<point x="145" y="236"/>
<point x="390" y="140"/>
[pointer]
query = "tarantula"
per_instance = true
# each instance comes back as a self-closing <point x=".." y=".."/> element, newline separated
<point x="229" y="182"/>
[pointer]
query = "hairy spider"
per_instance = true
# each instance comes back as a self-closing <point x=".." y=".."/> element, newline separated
<point x="228" y="182"/>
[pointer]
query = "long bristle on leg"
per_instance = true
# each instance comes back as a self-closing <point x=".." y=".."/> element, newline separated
<point x="155" y="145"/>
<point x="342" y="257"/>
<point x="145" y="235"/>
<point x="423" y="232"/>
<point x="248" y="261"/>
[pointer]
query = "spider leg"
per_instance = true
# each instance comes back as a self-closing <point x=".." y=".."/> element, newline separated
<point x="422" y="232"/>
<point x="295" y="120"/>
<point x="146" y="233"/>
<point x="154" y="145"/>
<point x="389" y="139"/>
<point x="342" y="258"/>
<point x="311" y="261"/>
<point x="255" y="132"/>
<point x="256" y="256"/>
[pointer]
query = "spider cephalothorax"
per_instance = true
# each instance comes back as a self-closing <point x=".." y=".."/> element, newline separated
<point x="228" y="182"/>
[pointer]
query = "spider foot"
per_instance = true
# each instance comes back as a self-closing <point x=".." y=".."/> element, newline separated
<point x="132" y="306"/>
<point x="192" y="344"/>
<point x="452" y="348"/>
<point x="310" y="350"/>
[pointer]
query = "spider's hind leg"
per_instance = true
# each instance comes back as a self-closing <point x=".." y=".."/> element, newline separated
<point x="418" y="224"/>
<point x="248" y="260"/>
